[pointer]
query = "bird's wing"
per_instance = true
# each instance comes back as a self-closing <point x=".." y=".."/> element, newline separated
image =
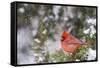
<point x="74" y="40"/>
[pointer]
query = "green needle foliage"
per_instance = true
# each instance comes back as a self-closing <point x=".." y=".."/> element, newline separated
<point x="60" y="56"/>
<point x="80" y="53"/>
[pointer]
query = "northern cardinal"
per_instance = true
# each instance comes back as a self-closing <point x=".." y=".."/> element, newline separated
<point x="69" y="43"/>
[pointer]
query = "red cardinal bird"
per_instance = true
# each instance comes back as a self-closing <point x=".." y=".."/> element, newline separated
<point x="69" y="43"/>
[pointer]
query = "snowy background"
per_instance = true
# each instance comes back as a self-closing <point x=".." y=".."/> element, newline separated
<point x="40" y="27"/>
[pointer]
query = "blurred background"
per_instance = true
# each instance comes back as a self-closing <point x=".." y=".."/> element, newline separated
<point x="39" y="29"/>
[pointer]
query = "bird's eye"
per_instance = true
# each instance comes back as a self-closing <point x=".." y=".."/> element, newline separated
<point x="63" y="38"/>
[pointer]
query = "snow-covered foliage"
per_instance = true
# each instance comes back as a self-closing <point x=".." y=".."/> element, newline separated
<point x="91" y="54"/>
<point x="56" y="11"/>
<point x="91" y="21"/>
<point x="91" y="30"/>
